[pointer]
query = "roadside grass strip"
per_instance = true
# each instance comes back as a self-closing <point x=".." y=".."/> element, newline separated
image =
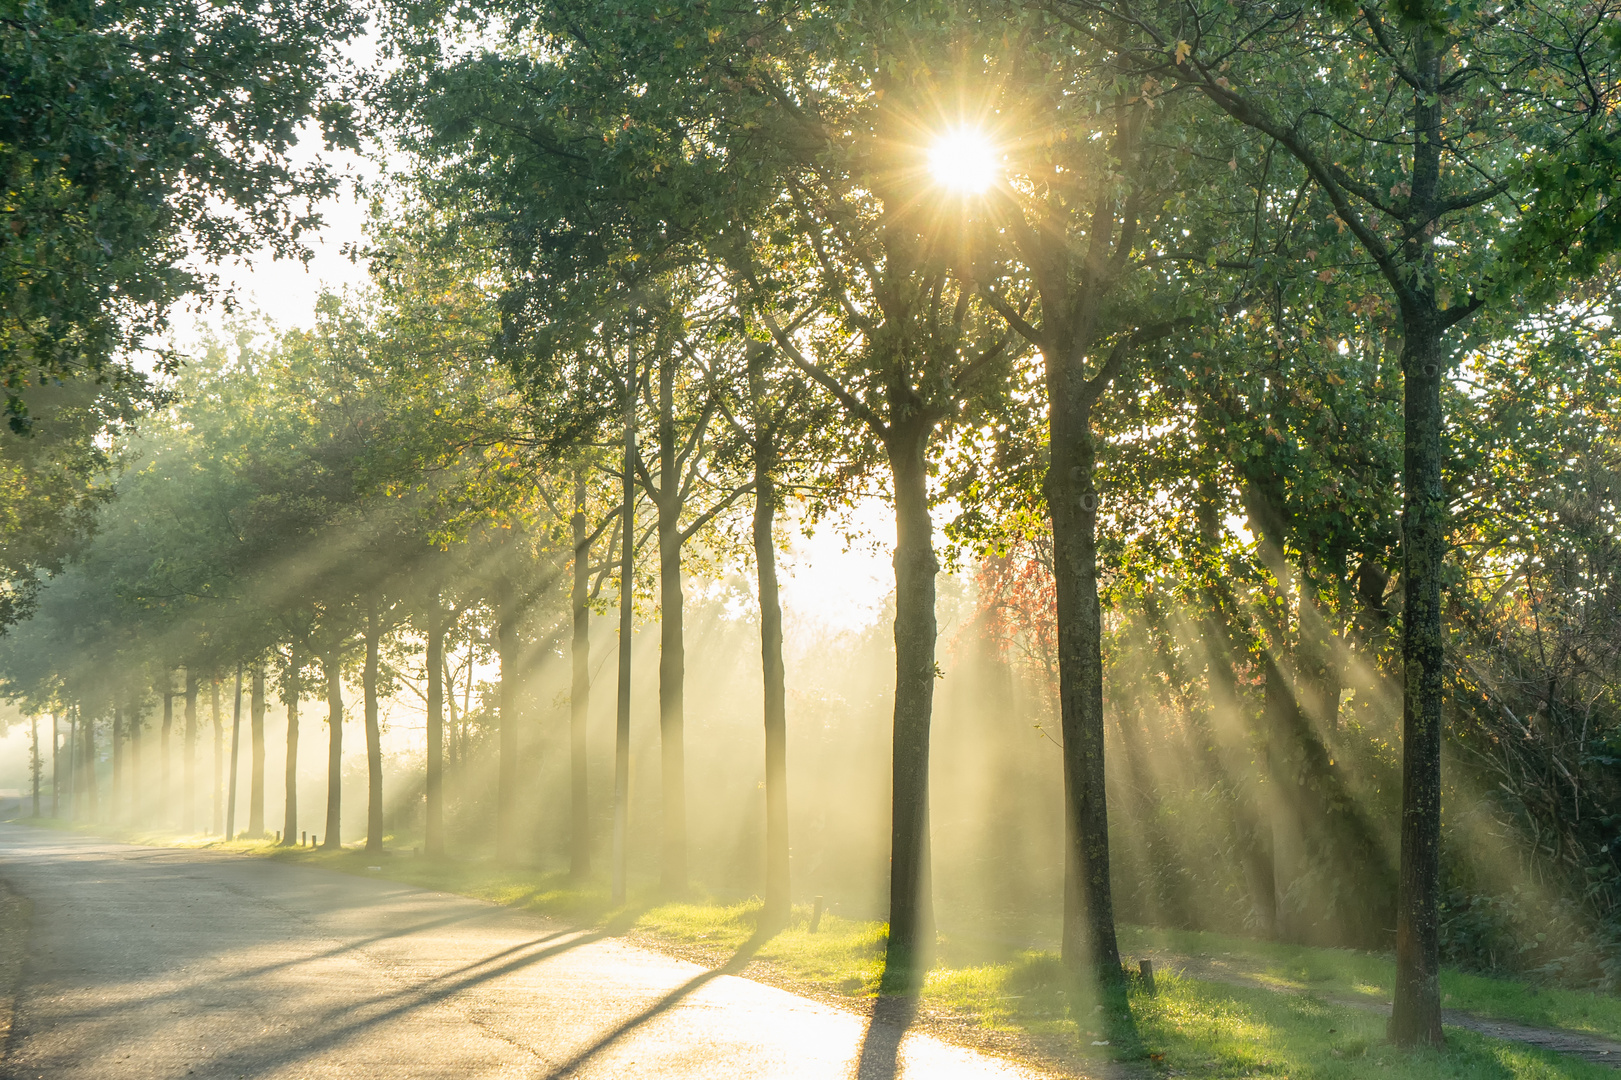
<point x="1225" y="1007"/>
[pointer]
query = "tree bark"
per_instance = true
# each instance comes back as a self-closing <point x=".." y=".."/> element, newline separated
<point x="73" y="763"/>
<point x="374" y="736"/>
<point x="188" y="764"/>
<point x="1416" y="1014"/>
<point x="87" y="746"/>
<point x="1416" y="1008"/>
<point x="1072" y="503"/>
<point x="132" y="766"/>
<point x="165" y="810"/>
<point x="116" y="802"/>
<point x="579" y="701"/>
<point x="56" y="768"/>
<point x="36" y="764"/>
<point x="217" y="821"/>
<point x="777" y="895"/>
<point x="672" y="645"/>
<point x="291" y="689"/>
<point x="256" y="770"/>
<point x="911" y="906"/>
<point x="71" y="745"/>
<point x="627" y="591"/>
<point x="434" y="784"/>
<point x="236" y="747"/>
<point x="506" y="792"/>
<point x="332" y="669"/>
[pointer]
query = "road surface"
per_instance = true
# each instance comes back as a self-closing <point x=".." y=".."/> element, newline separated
<point x="154" y="962"/>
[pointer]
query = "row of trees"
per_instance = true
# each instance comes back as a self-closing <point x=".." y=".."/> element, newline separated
<point x="1318" y="273"/>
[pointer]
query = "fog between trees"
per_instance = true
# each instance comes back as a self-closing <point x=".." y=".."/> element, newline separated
<point x="1248" y="441"/>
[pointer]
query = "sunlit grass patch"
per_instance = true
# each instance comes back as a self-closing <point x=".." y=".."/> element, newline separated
<point x="1026" y="993"/>
<point x="1366" y="976"/>
<point x="1198" y="1028"/>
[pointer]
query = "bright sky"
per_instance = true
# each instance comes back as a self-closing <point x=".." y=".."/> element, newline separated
<point x="286" y="290"/>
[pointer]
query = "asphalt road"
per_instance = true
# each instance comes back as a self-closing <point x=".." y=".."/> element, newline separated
<point x="153" y="962"/>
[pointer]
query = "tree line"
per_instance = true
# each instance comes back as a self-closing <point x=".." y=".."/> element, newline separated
<point x="1268" y="383"/>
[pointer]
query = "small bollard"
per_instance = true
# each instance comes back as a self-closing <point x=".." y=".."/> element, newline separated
<point x="304" y="838"/>
<point x="315" y="841"/>
<point x="1145" y="970"/>
<point x="278" y="836"/>
<point x="816" y="915"/>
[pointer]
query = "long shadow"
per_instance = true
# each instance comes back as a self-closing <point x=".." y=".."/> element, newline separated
<point x="739" y="960"/>
<point x="186" y="992"/>
<point x="407" y="999"/>
<point x="353" y="946"/>
<point x="892" y="1016"/>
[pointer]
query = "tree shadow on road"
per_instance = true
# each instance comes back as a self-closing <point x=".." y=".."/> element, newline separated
<point x="735" y="965"/>
<point x="893" y="1015"/>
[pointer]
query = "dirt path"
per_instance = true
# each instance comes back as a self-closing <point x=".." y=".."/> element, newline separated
<point x="1593" y="1048"/>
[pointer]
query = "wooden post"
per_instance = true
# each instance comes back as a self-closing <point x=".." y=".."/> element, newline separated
<point x="1145" y="969"/>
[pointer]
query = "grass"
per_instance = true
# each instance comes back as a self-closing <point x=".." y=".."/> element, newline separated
<point x="1215" y="1030"/>
<point x="1023" y="1001"/>
<point x="1361" y="976"/>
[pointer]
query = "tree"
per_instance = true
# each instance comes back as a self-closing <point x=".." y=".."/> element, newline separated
<point x="135" y="133"/>
<point x="1419" y="124"/>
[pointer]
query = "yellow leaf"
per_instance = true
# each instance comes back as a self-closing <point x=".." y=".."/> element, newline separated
<point x="1182" y="51"/>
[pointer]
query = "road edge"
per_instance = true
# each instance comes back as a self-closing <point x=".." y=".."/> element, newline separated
<point x="16" y="924"/>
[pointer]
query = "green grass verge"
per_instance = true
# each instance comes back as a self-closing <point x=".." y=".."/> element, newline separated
<point x="1361" y="976"/>
<point x="1193" y="1026"/>
<point x="1214" y="1030"/>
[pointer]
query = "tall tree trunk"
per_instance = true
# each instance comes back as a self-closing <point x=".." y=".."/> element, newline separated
<point x="506" y="790"/>
<point x="434" y="786"/>
<point x="374" y="735"/>
<point x="116" y="801"/>
<point x="777" y="894"/>
<point x="1089" y="941"/>
<point x="217" y="821"/>
<point x="256" y="768"/>
<point x="291" y="688"/>
<point x="579" y="701"/>
<point x="35" y="764"/>
<point x="672" y="645"/>
<point x="453" y="754"/>
<point x="132" y="769"/>
<point x="331" y="668"/>
<point x="92" y="789"/>
<point x="236" y="746"/>
<point x="627" y="592"/>
<point x="188" y="765"/>
<point x="165" y="797"/>
<point x="56" y="769"/>
<point x="911" y="904"/>
<point x="74" y="786"/>
<point x="1416" y="1016"/>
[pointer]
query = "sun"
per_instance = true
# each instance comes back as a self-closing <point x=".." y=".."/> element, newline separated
<point x="963" y="160"/>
